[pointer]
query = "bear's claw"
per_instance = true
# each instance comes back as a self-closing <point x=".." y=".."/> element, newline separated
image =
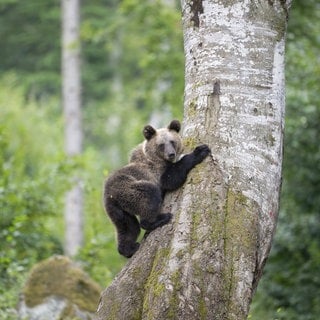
<point x="202" y="151"/>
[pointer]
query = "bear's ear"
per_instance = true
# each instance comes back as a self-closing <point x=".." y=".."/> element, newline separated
<point x="174" y="125"/>
<point x="149" y="132"/>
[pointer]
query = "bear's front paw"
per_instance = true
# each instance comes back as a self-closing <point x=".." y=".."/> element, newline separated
<point x="201" y="152"/>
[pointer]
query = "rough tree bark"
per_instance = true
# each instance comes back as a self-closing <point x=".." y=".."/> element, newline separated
<point x="206" y="264"/>
<point x="71" y="96"/>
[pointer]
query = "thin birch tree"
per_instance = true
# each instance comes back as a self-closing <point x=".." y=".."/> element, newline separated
<point x="71" y="96"/>
<point x="206" y="264"/>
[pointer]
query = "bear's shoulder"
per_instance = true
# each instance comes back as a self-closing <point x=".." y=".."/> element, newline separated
<point x="138" y="160"/>
<point x="137" y="155"/>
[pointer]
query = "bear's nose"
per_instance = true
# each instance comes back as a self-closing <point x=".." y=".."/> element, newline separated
<point x="172" y="156"/>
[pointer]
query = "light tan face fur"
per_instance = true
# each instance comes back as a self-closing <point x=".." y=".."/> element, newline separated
<point x="165" y="144"/>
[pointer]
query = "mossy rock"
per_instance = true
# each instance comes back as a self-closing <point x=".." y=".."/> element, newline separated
<point x="58" y="289"/>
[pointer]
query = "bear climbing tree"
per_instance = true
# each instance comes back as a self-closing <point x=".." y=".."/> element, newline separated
<point x="206" y="263"/>
<point x="156" y="166"/>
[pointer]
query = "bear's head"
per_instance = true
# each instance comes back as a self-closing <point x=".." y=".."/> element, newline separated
<point x="164" y="143"/>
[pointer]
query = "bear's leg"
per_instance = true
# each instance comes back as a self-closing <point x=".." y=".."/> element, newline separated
<point x="128" y="229"/>
<point x="176" y="173"/>
<point x="150" y="205"/>
<point x="128" y="235"/>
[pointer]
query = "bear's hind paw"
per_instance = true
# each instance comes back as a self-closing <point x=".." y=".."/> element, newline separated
<point x="128" y="250"/>
<point x="162" y="219"/>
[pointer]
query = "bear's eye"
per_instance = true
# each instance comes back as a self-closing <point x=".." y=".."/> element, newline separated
<point x="173" y="143"/>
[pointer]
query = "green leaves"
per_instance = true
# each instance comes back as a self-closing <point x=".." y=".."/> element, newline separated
<point x="30" y="184"/>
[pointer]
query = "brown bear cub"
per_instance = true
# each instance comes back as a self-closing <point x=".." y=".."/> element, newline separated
<point x="139" y="187"/>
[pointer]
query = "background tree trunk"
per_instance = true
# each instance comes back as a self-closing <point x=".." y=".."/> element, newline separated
<point x="206" y="264"/>
<point x="71" y="92"/>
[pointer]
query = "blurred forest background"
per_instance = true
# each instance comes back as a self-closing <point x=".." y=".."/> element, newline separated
<point x="133" y="74"/>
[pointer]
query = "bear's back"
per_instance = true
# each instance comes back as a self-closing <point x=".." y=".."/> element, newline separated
<point x="137" y="155"/>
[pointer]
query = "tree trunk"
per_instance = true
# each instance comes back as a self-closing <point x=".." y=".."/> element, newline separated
<point x="71" y="95"/>
<point x="206" y="264"/>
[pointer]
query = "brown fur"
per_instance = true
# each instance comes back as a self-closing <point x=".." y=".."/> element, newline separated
<point x="139" y="187"/>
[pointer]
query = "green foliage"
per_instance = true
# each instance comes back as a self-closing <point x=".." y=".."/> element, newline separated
<point x="155" y="47"/>
<point x="126" y="72"/>
<point x="30" y="43"/>
<point x="34" y="176"/>
<point x="143" y="58"/>
<point x="30" y="167"/>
